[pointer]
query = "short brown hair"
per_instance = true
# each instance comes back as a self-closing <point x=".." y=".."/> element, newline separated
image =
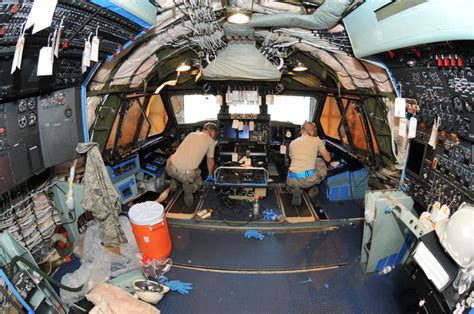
<point x="210" y="126"/>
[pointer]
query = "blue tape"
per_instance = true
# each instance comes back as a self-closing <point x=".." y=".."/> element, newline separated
<point x="15" y="293"/>
<point x="85" y="129"/>
<point x="120" y="11"/>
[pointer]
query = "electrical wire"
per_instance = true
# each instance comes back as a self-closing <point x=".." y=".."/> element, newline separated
<point x="225" y="208"/>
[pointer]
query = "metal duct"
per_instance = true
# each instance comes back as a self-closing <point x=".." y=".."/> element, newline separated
<point x="324" y="17"/>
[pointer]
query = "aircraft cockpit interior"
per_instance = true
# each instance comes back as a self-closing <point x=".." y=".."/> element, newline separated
<point x="224" y="156"/>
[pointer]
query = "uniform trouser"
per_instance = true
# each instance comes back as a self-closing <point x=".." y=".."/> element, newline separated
<point x="191" y="177"/>
<point x="315" y="178"/>
<point x="112" y="234"/>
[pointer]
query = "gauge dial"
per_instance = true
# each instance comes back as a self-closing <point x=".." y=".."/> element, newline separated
<point x="32" y="118"/>
<point x="22" y="105"/>
<point x="22" y="121"/>
<point x="31" y="102"/>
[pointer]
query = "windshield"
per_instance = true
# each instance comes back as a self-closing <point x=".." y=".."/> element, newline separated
<point x="195" y="108"/>
<point x="294" y="109"/>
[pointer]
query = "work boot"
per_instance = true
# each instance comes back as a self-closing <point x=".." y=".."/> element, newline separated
<point x="313" y="192"/>
<point x="174" y="185"/>
<point x="188" y="194"/>
<point x="296" y="199"/>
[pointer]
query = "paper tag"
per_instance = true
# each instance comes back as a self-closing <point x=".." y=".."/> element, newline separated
<point x="433" y="137"/>
<point x="58" y="40"/>
<point x="45" y="66"/>
<point x="251" y="126"/>
<point x="95" y="49"/>
<point x="33" y="13"/>
<point x="44" y="14"/>
<point x="87" y="54"/>
<point x="235" y="157"/>
<point x="18" y="54"/>
<point x="248" y="162"/>
<point x="402" y="127"/>
<point x="83" y="65"/>
<point x="53" y="45"/>
<point x="235" y="124"/>
<point x="241" y="125"/>
<point x="400" y="107"/>
<point x="412" y="127"/>
<point x="283" y="149"/>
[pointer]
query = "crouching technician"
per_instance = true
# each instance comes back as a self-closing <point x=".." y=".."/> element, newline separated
<point x="183" y="165"/>
<point x="306" y="169"/>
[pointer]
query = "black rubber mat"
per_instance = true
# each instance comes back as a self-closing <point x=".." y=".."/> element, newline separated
<point x="230" y="250"/>
<point x="291" y="210"/>
<point x="344" y="290"/>
<point x="180" y="208"/>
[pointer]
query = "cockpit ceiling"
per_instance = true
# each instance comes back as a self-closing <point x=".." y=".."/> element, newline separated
<point x="174" y="32"/>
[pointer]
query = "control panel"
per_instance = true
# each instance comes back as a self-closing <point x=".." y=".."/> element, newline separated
<point x="445" y="174"/>
<point x="37" y="133"/>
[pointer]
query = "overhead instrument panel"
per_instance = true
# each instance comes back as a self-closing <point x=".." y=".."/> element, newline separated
<point x="80" y="20"/>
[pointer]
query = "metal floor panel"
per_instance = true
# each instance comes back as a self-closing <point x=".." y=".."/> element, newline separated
<point x="230" y="250"/>
<point x="343" y="290"/>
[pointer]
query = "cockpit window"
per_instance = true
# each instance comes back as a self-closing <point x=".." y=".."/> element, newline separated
<point x="294" y="109"/>
<point x="157" y="115"/>
<point x="330" y="117"/>
<point x="195" y="108"/>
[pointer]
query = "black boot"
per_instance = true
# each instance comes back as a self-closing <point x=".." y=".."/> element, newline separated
<point x="296" y="199"/>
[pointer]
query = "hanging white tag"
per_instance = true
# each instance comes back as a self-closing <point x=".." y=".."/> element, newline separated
<point x="235" y="124"/>
<point x="412" y="127"/>
<point x="235" y="157"/>
<point x="87" y="54"/>
<point x="402" y="127"/>
<point x="241" y="125"/>
<point x="53" y="44"/>
<point x="32" y="16"/>
<point x="83" y="64"/>
<point x="44" y="14"/>
<point x="248" y="162"/>
<point x="18" y="54"/>
<point x="45" y="66"/>
<point x="433" y="137"/>
<point x="283" y="149"/>
<point x="57" y="41"/>
<point x="400" y="107"/>
<point x="228" y="97"/>
<point x="95" y="49"/>
<point x="251" y="126"/>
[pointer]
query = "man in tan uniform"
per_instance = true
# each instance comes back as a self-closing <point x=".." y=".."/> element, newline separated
<point x="183" y="165"/>
<point x="306" y="169"/>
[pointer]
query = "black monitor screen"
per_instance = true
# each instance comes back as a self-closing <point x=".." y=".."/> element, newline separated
<point x="415" y="158"/>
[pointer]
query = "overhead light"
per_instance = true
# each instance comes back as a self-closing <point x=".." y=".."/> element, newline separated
<point x="238" y="11"/>
<point x="183" y="67"/>
<point x="238" y="18"/>
<point x="300" y="67"/>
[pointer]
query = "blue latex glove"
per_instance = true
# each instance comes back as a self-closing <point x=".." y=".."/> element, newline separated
<point x="179" y="286"/>
<point x="269" y="215"/>
<point x="249" y="234"/>
<point x="163" y="280"/>
<point x="210" y="179"/>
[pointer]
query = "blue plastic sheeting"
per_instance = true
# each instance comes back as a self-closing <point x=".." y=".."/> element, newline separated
<point x="347" y="185"/>
<point x="343" y="290"/>
<point x="230" y="250"/>
<point x="116" y="9"/>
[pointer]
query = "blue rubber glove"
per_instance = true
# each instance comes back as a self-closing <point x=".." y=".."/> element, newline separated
<point x="210" y="179"/>
<point x="163" y="280"/>
<point x="269" y="215"/>
<point x="179" y="286"/>
<point x="255" y="234"/>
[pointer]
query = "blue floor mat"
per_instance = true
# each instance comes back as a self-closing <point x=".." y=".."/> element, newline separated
<point x="341" y="209"/>
<point x="230" y="250"/>
<point x="344" y="290"/>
